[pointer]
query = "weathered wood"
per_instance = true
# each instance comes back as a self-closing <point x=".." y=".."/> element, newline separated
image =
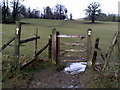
<point x="17" y="42"/>
<point x="28" y="63"/>
<point x="72" y="56"/>
<point x="40" y="51"/>
<point x="71" y="36"/>
<point x="54" y="46"/>
<point x="7" y="44"/>
<point x="29" y="39"/>
<point x="89" y="48"/>
<point x="50" y="46"/>
<point x="73" y="44"/>
<point x="100" y="52"/>
<point x="64" y="53"/>
<point x="57" y="47"/>
<point x="95" y="53"/>
<point x="110" y="51"/>
<point x="36" y="35"/>
<point x="74" y="50"/>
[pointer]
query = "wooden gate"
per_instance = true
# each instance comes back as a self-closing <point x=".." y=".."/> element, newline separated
<point x="55" y="48"/>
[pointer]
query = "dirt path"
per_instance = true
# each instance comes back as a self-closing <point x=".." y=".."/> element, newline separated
<point x="50" y="78"/>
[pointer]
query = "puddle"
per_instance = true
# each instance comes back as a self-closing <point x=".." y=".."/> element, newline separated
<point x="75" y="68"/>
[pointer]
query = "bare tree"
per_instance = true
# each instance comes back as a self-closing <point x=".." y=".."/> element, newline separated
<point x="71" y="16"/>
<point x="92" y="10"/>
<point x="15" y="9"/>
<point x="5" y="11"/>
<point x="60" y="11"/>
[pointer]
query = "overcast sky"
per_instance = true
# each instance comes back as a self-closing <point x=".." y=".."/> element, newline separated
<point x="76" y="7"/>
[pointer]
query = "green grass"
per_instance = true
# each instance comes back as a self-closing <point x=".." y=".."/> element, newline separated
<point x="103" y="30"/>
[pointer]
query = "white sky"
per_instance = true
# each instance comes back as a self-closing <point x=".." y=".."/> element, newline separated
<point x="76" y="7"/>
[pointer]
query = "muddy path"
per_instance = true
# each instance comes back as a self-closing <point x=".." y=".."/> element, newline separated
<point x="49" y="78"/>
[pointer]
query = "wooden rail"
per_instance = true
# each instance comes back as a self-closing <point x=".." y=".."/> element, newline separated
<point x="5" y="45"/>
<point x="39" y="52"/>
<point x="72" y="56"/>
<point x="73" y="44"/>
<point x="114" y="41"/>
<point x="29" y="39"/>
<point x="72" y="36"/>
<point x="74" y="50"/>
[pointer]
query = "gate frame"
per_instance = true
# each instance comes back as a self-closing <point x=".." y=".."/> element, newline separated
<point x="55" y="46"/>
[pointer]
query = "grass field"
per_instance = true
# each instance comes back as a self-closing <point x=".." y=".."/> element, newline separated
<point x="103" y="30"/>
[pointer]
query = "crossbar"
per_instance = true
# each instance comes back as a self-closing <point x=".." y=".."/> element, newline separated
<point x="5" y="45"/>
<point x="29" y="39"/>
<point x="74" y="50"/>
<point x="73" y="44"/>
<point x="39" y="52"/>
<point x="72" y="56"/>
<point x="72" y="36"/>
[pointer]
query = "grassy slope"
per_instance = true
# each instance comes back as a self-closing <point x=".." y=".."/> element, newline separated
<point x="103" y="30"/>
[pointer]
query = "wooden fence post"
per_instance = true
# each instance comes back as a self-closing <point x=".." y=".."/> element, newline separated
<point x="50" y="46"/>
<point x="17" y="42"/>
<point x="89" y="47"/>
<point x="54" y="46"/>
<point x="57" y="46"/>
<point x="114" y="41"/>
<point x="36" y="35"/>
<point x="95" y="53"/>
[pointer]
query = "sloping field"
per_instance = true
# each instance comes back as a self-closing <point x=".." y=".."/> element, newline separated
<point x="103" y="30"/>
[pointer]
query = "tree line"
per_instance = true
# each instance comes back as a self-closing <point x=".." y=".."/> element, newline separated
<point x="14" y="10"/>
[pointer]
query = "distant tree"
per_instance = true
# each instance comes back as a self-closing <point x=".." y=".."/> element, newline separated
<point x="60" y="12"/>
<point x="5" y="11"/>
<point x="114" y="18"/>
<point x="101" y="17"/>
<point x="92" y="10"/>
<point x="111" y="17"/>
<point x="23" y="11"/>
<point x="71" y="16"/>
<point x="48" y="14"/>
<point x="16" y="7"/>
<point x="29" y="13"/>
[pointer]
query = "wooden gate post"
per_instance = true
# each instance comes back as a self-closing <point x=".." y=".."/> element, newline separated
<point x="17" y="42"/>
<point x="95" y="53"/>
<point x="57" y="46"/>
<point x="89" y="47"/>
<point x="54" y="46"/>
<point x="50" y="46"/>
<point x="36" y="35"/>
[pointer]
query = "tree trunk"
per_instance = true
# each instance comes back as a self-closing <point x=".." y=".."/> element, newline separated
<point x="93" y="17"/>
